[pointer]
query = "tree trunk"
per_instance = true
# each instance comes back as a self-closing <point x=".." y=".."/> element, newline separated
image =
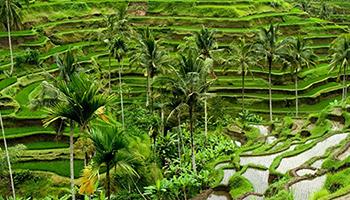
<point x="296" y="93"/>
<point x="162" y="120"/>
<point x="148" y="88"/>
<point x="109" y="73"/>
<point x="205" y="119"/>
<point x="108" y="183"/>
<point x="9" y="36"/>
<point x="8" y="158"/>
<point x="243" y="76"/>
<point x="344" y="84"/>
<point x="71" y="160"/>
<point x="121" y="93"/>
<point x="179" y="137"/>
<point x="151" y="94"/>
<point x="193" y="156"/>
<point x="154" y="143"/>
<point x="270" y="90"/>
<point x="180" y="131"/>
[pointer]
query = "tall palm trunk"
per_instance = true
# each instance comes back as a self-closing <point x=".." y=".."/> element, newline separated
<point x="148" y="87"/>
<point x="179" y="136"/>
<point x="8" y="158"/>
<point x="162" y="120"/>
<point x="121" y="93"/>
<point x="344" y="84"/>
<point x="193" y="156"/>
<point x="243" y="76"/>
<point x="9" y="36"/>
<point x="71" y="160"/>
<point x="270" y="85"/>
<point x="109" y="73"/>
<point x="108" y="182"/>
<point x="296" y="93"/>
<point x="205" y="119"/>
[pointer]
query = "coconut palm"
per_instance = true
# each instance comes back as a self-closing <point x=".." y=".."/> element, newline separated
<point x="122" y="26"/>
<point x="325" y="11"/>
<point x="242" y="56"/>
<point x="305" y="5"/>
<point x="340" y="53"/>
<point x="118" y="49"/>
<point x="67" y="69"/>
<point x="107" y="38"/>
<point x="117" y="24"/>
<point x="299" y="56"/>
<point x="270" y="49"/>
<point x="112" y="151"/>
<point x="152" y="58"/>
<point x="7" y="158"/>
<point x="188" y="86"/>
<point x="206" y="43"/>
<point x="10" y="18"/>
<point x="67" y="65"/>
<point x="79" y="101"/>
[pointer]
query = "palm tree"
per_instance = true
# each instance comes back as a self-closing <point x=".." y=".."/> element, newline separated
<point x="243" y="57"/>
<point x="340" y="53"/>
<point x="300" y="56"/>
<point x="122" y="26"/>
<point x="107" y="38"/>
<point x="325" y="11"/>
<point x="8" y="157"/>
<point x="151" y="58"/>
<point x="79" y="101"/>
<point x="67" y="65"/>
<point x="270" y="49"/>
<point x="118" y="49"/>
<point x="10" y="17"/>
<point x="112" y="150"/>
<point x="116" y="25"/>
<point x="206" y="43"/>
<point x="305" y="5"/>
<point x="188" y="86"/>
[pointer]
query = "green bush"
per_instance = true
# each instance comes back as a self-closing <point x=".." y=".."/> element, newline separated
<point x="23" y="175"/>
<point x="321" y="128"/>
<point x="239" y="186"/>
<point x="320" y="194"/>
<point x="285" y="128"/>
<point x="29" y="57"/>
<point x="252" y="133"/>
<point x="282" y="195"/>
<point x="336" y="181"/>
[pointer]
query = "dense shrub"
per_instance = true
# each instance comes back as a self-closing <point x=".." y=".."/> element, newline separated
<point x="29" y="57"/>
<point x="336" y="181"/>
<point x="239" y="186"/>
<point x="282" y="195"/>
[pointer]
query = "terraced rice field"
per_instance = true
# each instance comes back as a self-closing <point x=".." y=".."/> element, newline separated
<point x="52" y="28"/>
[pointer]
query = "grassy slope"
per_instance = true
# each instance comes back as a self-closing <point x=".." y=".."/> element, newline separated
<point x="250" y="15"/>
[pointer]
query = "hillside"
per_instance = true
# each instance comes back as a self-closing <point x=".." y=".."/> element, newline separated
<point x="247" y="160"/>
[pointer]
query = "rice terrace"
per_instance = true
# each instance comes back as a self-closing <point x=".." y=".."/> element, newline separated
<point x="174" y="99"/>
